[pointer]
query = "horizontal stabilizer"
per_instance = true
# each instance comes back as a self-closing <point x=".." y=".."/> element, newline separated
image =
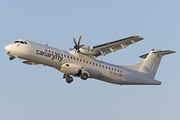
<point x="161" y="53"/>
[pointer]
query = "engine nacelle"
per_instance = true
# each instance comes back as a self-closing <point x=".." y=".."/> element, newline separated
<point x="92" y="73"/>
<point x="70" y="69"/>
<point x="87" y="50"/>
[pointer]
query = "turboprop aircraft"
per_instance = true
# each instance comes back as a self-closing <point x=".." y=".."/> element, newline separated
<point x="83" y="63"/>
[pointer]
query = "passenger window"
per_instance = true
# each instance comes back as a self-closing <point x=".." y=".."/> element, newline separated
<point x="118" y="70"/>
<point x="71" y="57"/>
<point x="89" y="62"/>
<point x="99" y="65"/>
<point x="77" y="59"/>
<point x="25" y="42"/>
<point x="74" y="58"/>
<point x="83" y="60"/>
<point x="93" y="63"/>
<point x="109" y="68"/>
<point x="86" y="61"/>
<point x="103" y="66"/>
<point x="80" y="60"/>
<point x="64" y="55"/>
<point x="96" y="64"/>
<point x="114" y="69"/>
<point x="106" y="67"/>
<point x="61" y="54"/>
<point x="68" y="56"/>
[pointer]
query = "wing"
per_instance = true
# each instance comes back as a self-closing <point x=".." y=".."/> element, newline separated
<point x="115" y="45"/>
<point x="30" y="62"/>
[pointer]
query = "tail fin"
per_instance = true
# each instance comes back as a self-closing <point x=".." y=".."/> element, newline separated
<point x="151" y="62"/>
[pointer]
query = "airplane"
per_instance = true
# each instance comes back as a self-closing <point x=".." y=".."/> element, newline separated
<point x="82" y="61"/>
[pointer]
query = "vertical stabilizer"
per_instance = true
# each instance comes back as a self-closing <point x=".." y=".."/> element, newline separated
<point x="151" y="62"/>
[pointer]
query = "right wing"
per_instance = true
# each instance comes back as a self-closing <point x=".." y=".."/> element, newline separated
<point x="110" y="47"/>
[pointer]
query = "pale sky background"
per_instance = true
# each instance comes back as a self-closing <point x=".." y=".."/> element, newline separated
<point x="40" y="93"/>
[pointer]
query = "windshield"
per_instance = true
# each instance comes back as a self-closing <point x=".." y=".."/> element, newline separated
<point x="16" y="41"/>
<point x="21" y="42"/>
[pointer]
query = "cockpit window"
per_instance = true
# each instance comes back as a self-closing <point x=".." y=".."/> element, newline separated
<point x="16" y="41"/>
<point x="22" y="42"/>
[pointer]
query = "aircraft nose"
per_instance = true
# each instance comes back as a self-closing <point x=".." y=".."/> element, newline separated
<point x="8" y="48"/>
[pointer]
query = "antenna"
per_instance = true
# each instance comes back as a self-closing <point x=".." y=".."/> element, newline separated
<point x="47" y="44"/>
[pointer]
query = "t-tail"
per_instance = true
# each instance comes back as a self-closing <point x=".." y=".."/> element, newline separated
<point x="150" y="64"/>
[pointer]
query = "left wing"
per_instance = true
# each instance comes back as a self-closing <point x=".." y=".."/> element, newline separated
<point x="115" y="45"/>
<point x="30" y="62"/>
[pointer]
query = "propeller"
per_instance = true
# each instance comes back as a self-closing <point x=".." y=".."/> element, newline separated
<point x="77" y="45"/>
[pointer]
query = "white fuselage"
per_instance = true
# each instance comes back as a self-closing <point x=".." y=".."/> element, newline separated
<point x="61" y="60"/>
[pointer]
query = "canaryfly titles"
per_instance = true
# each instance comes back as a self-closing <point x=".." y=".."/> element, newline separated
<point x="53" y="55"/>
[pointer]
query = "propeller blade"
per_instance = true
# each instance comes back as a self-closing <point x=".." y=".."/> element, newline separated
<point x="77" y="46"/>
<point x="79" y="40"/>
<point x="74" y="41"/>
